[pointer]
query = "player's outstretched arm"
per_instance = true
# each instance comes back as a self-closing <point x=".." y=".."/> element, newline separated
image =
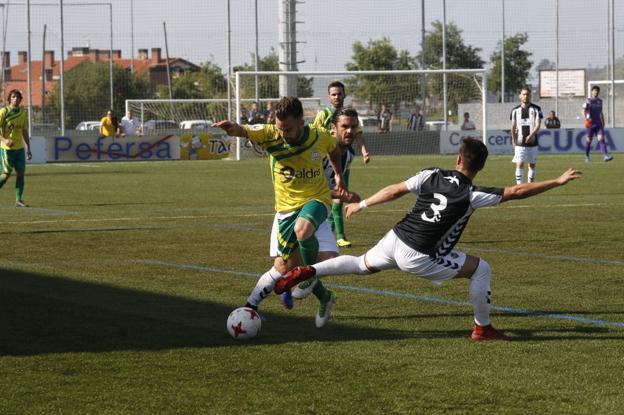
<point x="231" y="128"/>
<point x="387" y="194"/>
<point x="359" y="138"/>
<point x="524" y="190"/>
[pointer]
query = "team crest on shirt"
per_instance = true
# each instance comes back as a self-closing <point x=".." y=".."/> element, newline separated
<point x="316" y="155"/>
<point x="255" y="127"/>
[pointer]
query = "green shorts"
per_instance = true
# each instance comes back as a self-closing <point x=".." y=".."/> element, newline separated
<point x="13" y="160"/>
<point x="313" y="211"/>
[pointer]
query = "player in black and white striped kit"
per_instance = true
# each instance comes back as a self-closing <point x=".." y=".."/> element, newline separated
<point x="526" y="120"/>
<point x="422" y="242"/>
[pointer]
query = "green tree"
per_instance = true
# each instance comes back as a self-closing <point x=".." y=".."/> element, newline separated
<point x="461" y="88"/>
<point x="380" y="54"/>
<point x="208" y="82"/>
<point x="87" y="92"/>
<point x="517" y="65"/>
<point x="268" y="85"/>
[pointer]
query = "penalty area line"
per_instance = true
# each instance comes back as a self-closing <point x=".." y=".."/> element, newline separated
<point x="395" y="294"/>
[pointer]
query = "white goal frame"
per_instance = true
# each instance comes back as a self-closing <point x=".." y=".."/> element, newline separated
<point x="480" y="71"/>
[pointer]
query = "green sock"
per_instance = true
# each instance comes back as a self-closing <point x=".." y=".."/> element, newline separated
<point x="309" y="252"/>
<point x="338" y="220"/>
<point x="19" y="188"/>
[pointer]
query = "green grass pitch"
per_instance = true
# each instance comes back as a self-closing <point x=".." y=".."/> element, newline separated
<point x="116" y="284"/>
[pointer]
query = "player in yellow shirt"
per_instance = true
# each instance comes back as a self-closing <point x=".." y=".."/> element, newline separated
<point x="337" y="95"/>
<point x="14" y="143"/>
<point x="302" y="197"/>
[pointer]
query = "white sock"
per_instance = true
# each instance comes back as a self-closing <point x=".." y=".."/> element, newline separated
<point x="531" y="175"/>
<point x="263" y="287"/>
<point x="343" y="264"/>
<point x="480" y="293"/>
<point x="519" y="175"/>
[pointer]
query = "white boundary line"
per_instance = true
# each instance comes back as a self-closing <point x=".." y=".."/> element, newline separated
<point x="386" y="293"/>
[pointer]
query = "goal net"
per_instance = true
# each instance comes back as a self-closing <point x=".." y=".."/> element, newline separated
<point x="385" y="101"/>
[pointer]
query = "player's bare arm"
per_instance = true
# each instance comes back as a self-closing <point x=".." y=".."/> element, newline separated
<point x="231" y="128"/>
<point x="524" y="190"/>
<point x="335" y="160"/>
<point x="27" y="143"/>
<point x="514" y="133"/>
<point x="359" y="138"/>
<point x="387" y="194"/>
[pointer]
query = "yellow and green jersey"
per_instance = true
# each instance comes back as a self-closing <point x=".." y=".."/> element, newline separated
<point x="13" y="122"/>
<point x="324" y="119"/>
<point x="296" y="169"/>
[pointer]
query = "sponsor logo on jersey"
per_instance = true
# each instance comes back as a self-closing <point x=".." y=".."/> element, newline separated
<point x="288" y="174"/>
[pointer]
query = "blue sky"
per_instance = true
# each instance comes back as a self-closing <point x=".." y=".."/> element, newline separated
<point x="197" y="28"/>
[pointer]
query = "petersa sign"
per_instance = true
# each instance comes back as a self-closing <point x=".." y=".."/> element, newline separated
<point x="566" y="140"/>
<point x="63" y="149"/>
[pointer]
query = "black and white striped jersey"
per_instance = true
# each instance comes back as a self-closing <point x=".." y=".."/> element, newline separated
<point x="446" y="200"/>
<point x="347" y="158"/>
<point x="525" y="120"/>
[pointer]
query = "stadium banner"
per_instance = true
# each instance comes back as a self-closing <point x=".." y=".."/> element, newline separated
<point x="128" y="148"/>
<point x="38" y="149"/>
<point x="204" y="146"/>
<point x="555" y="141"/>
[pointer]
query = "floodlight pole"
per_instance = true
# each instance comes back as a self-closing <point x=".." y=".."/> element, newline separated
<point x="557" y="58"/>
<point x="256" y="59"/>
<point x="503" y="58"/>
<point x="444" y="79"/>
<point x="62" y="80"/>
<point x="29" y="70"/>
<point x="612" y="98"/>
<point x="131" y="37"/>
<point x="110" y="64"/>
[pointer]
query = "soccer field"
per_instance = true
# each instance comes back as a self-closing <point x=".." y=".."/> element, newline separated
<point x="116" y="285"/>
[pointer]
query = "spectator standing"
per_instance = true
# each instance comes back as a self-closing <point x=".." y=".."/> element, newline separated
<point x="256" y="115"/>
<point x="270" y="113"/>
<point x="416" y="121"/>
<point x="552" y="121"/>
<point x="109" y="126"/>
<point x="130" y="125"/>
<point x="384" y="118"/>
<point x="468" y="124"/>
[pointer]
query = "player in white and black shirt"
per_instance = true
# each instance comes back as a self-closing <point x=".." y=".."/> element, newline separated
<point x="526" y="120"/>
<point x="422" y="242"/>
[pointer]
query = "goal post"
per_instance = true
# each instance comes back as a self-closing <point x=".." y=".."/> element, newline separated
<point x="371" y="92"/>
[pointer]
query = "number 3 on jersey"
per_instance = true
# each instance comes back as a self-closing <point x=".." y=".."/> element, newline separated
<point x="436" y="208"/>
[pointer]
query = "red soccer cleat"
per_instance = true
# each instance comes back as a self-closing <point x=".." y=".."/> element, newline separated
<point x="293" y="277"/>
<point x="487" y="333"/>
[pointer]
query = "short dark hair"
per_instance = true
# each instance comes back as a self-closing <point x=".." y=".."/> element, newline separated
<point x="336" y="84"/>
<point x="474" y="154"/>
<point x="526" y="88"/>
<point x="288" y="107"/>
<point x="15" y="92"/>
<point x="346" y="111"/>
<point x="596" y="87"/>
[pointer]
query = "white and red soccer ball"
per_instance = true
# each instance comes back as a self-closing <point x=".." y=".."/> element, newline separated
<point x="244" y="323"/>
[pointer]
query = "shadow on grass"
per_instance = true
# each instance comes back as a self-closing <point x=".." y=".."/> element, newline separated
<point x="47" y="314"/>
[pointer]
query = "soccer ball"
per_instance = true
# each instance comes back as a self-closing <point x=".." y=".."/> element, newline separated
<point x="244" y="323"/>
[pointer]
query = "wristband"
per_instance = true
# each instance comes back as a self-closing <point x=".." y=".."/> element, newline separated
<point x="363" y="204"/>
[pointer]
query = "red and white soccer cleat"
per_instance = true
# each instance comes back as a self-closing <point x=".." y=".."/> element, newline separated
<point x="487" y="333"/>
<point x="293" y="277"/>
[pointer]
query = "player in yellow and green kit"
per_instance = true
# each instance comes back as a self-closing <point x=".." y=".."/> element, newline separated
<point x="14" y="143"/>
<point x="300" y="232"/>
<point x="337" y="95"/>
